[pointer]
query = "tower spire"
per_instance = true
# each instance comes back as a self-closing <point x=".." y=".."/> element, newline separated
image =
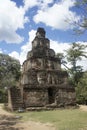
<point x="40" y="32"/>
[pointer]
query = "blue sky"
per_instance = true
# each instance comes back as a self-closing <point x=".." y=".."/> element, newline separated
<point x="19" y="20"/>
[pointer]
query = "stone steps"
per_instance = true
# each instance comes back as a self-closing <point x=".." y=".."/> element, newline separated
<point x="38" y="108"/>
<point x="16" y="99"/>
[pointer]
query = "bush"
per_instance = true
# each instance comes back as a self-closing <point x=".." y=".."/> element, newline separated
<point x="3" y="96"/>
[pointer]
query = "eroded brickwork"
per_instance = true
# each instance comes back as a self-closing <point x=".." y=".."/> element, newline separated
<point x="43" y="83"/>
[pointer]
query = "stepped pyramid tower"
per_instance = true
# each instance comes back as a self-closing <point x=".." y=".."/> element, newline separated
<point x="43" y="83"/>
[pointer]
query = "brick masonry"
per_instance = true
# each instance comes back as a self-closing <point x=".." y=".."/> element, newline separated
<point x="43" y="83"/>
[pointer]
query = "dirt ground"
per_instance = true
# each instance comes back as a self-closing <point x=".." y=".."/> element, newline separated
<point x="83" y="107"/>
<point x="10" y="122"/>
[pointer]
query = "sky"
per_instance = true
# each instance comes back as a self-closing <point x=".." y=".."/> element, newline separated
<point x="19" y="20"/>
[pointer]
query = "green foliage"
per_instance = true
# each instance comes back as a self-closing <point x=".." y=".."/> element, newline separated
<point x="76" y="76"/>
<point x="81" y="90"/>
<point x="76" y="51"/>
<point x="62" y="59"/>
<point x="81" y="25"/>
<point x="73" y="55"/>
<point x="9" y="72"/>
<point x="3" y="96"/>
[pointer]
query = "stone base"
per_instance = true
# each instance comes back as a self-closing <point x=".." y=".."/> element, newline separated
<point x="51" y="108"/>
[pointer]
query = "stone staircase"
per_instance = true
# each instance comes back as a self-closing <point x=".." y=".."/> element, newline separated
<point x="15" y="99"/>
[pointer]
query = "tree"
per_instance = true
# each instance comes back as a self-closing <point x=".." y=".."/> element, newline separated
<point x="73" y="55"/>
<point x="62" y="59"/>
<point x="9" y="70"/>
<point x="81" y="25"/>
<point x="77" y="77"/>
<point x="81" y="90"/>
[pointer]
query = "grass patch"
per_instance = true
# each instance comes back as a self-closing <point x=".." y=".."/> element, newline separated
<point x="67" y="119"/>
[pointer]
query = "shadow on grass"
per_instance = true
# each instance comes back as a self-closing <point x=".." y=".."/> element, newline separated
<point x="8" y="122"/>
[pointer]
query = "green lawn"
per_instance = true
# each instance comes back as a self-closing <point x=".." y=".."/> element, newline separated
<point x="67" y="119"/>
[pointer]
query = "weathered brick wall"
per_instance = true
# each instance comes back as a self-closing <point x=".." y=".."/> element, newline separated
<point x="65" y="97"/>
<point x="43" y="81"/>
<point x="35" y="97"/>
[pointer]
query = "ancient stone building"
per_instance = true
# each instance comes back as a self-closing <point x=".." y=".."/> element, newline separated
<point x="43" y="82"/>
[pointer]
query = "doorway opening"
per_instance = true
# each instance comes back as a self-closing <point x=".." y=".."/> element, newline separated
<point x="51" y="95"/>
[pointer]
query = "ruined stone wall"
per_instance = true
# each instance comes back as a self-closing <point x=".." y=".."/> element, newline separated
<point x="40" y="77"/>
<point x="35" y="97"/>
<point x="41" y="63"/>
<point x="65" y="97"/>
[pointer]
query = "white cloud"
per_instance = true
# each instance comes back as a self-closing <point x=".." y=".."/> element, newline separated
<point x="32" y="35"/>
<point x="59" y="47"/>
<point x="24" y="49"/>
<point x="12" y="18"/>
<point x="1" y="50"/>
<point x="39" y="3"/>
<point x="29" y="4"/>
<point x="15" y="55"/>
<point x="27" y="47"/>
<point x="57" y="15"/>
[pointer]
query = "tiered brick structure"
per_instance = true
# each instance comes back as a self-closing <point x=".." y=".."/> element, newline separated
<point x="43" y="83"/>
